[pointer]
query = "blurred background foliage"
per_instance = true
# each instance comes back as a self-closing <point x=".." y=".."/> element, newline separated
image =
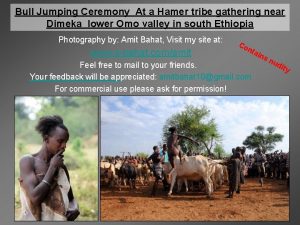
<point x="80" y="115"/>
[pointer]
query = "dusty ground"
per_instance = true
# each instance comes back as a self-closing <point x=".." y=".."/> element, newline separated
<point x="254" y="203"/>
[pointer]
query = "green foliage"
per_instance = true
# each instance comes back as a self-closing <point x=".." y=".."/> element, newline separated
<point x="195" y="123"/>
<point x="21" y="147"/>
<point x="142" y="154"/>
<point x="20" y="110"/>
<point x="73" y="159"/>
<point x="84" y="181"/>
<point x="80" y="115"/>
<point x="77" y="144"/>
<point x="25" y="130"/>
<point x="219" y="151"/>
<point x="267" y="141"/>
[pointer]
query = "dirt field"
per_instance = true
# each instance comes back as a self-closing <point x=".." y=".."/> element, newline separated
<point x="254" y="203"/>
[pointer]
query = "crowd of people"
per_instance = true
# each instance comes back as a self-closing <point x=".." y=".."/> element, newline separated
<point x="273" y="165"/>
<point x="276" y="165"/>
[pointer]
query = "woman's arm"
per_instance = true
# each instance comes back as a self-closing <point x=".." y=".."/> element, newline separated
<point x="37" y="191"/>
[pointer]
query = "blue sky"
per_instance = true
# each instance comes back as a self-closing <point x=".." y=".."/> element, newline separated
<point x="134" y="123"/>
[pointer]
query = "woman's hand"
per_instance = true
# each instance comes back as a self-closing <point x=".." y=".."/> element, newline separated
<point x="72" y="214"/>
<point x="73" y="211"/>
<point x="57" y="160"/>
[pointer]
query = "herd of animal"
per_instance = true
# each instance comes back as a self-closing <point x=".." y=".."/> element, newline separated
<point x="198" y="169"/>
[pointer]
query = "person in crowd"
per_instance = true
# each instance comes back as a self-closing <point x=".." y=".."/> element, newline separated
<point x="157" y="168"/>
<point x="164" y="153"/>
<point x="172" y="145"/>
<point x="234" y="169"/>
<point x="259" y="160"/>
<point x="242" y="151"/>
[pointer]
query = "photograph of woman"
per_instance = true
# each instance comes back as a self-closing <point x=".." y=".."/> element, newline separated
<point x="56" y="167"/>
<point x="45" y="190"/>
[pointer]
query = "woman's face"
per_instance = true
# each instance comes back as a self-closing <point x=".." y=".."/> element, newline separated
<point x="57" y="140"/>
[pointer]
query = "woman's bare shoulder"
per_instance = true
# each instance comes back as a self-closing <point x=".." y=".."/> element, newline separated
<point x="26" y="160"/>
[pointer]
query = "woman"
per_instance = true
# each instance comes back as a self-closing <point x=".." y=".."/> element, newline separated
<point x="45" y="191"/>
